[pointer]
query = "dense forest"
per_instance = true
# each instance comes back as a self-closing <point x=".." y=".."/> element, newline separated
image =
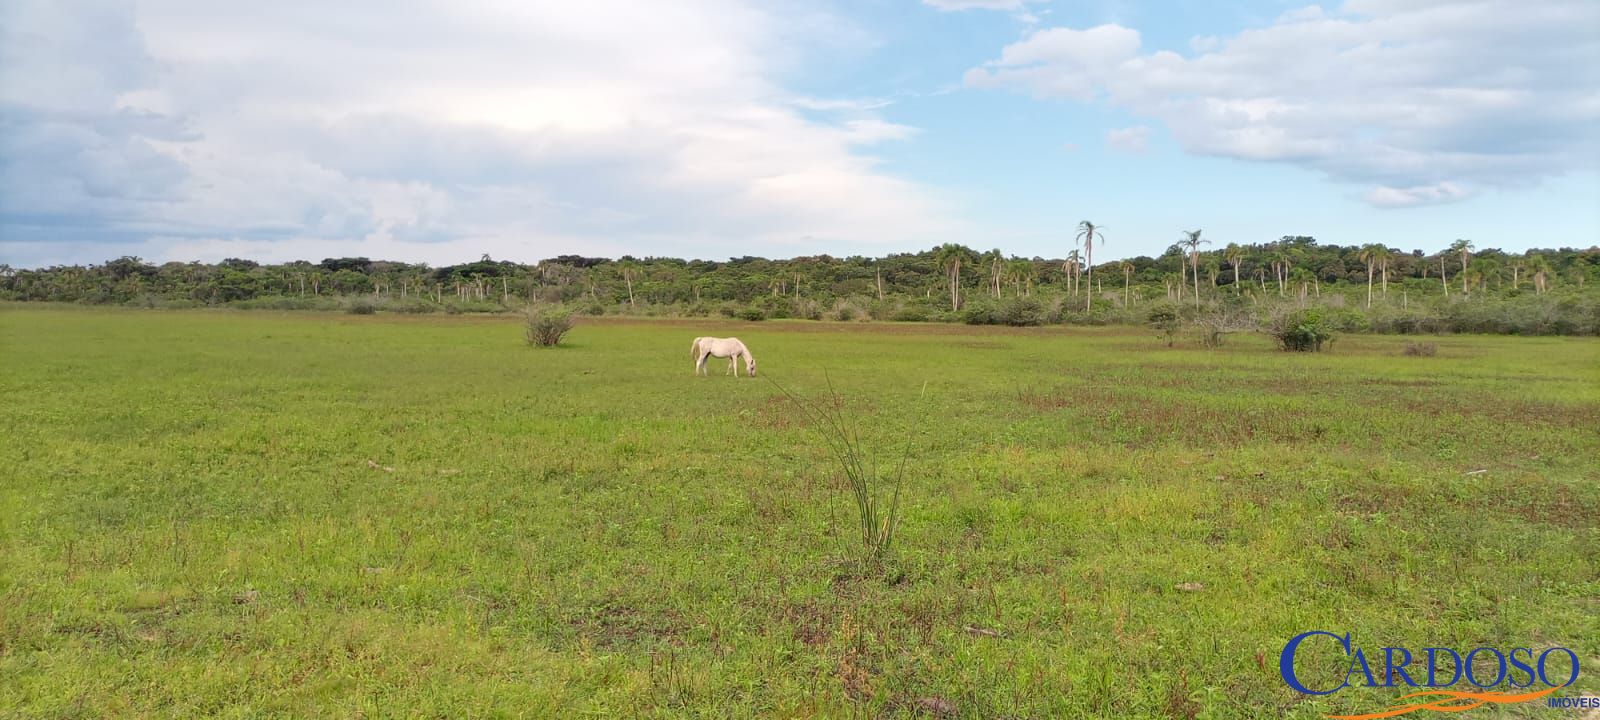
<point x="1459" y="288"/>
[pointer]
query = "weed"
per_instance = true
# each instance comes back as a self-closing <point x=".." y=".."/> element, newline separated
<point x="878" y="518"/>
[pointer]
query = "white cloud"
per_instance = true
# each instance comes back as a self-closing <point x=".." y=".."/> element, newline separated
<point x="1017" y="8"/>
<point x="514" y="128"/>
<point x="952" y="5"/>
<point x="1134" y="139"/>
<point x="1390" y="197"/>
<point x="1420" y="99"/>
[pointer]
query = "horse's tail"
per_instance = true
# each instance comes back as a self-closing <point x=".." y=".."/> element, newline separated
<point x="694" y="350"/>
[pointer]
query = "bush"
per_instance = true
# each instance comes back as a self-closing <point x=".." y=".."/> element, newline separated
<point x="546" y="326"/>
<point x="1165" y="321"/>
<point x="1421" y="349"/>
<point x="361" y="306"/>
<point x="1016" y="312"/>
<point x="1020" y="312"/>
<point x="752" y="314"/>
<point x="911" y="311"/>
<point x="773" y="306"/>
<point x="412" y="306"/>
<point x="1304" y="330"/>
<point x="977" y="313"/>
<point x="847" y="311"/>
<point x="805" y="309"/>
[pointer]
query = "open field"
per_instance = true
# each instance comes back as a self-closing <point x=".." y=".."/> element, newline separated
<point x="263" y="514"/>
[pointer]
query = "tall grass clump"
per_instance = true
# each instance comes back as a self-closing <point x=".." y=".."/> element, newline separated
<point x="1416" y="349"/>
<point x="546" y="326"/>
<point x="878" y="515"/>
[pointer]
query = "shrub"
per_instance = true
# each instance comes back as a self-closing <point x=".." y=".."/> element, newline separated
<point x="805" y="309"/>
<point x="1421" y="349"/>
<point x="912" y="312"/>
<point x="847" y="311"/>
<point x="546" y="326"/>
<point x="1305" y="330"/>
<point x="751" y="313"/>
<point x="1165" y="321"/>
<point x="773" y="306"/>
<point x="361" y="306"/>
<point x="1020" y="312"/>
<point x="412" y="306"/>
<point x="978" y="313"/>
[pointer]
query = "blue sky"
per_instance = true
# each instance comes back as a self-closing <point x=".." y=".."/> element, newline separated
<point x="436" y="131"/>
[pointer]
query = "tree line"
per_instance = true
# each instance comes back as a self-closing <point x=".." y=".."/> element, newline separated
<point x="948" y="282"/>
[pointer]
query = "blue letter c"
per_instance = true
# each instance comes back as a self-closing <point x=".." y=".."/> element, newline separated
<point x="1286" y="661"/>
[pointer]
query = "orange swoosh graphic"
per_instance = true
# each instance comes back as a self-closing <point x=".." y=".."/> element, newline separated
<point x="1445" y="700"/>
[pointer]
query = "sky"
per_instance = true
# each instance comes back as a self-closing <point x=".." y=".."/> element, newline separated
<point x="438" y="131"/>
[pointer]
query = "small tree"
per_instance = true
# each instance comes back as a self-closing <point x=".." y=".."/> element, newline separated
<point x="1164" y="319"/>
<point x="546" y="326"/>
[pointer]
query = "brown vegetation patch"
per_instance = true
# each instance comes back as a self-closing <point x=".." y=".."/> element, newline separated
<point x="1363" y="501"/>
<point x="777" y="413"/>
<point x="813" y="625"/>
<point x="1134" y="421"/>
<point x="1539" y="501"/>
<point x="616" y="626"/>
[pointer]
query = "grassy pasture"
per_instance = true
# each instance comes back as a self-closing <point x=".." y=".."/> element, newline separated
<point x="257" y="514"/>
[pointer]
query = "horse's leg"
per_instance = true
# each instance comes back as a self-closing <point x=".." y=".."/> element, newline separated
<point x="700" y="363"/>
<point x="733" y="365"/>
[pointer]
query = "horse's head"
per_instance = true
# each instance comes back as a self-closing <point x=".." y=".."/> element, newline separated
<point x="752" y="365"/>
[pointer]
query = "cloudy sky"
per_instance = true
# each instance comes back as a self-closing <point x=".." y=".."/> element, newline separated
<point x="440" y="130"/>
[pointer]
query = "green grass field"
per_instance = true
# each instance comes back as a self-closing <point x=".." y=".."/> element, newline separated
<point x="254" y="514"/>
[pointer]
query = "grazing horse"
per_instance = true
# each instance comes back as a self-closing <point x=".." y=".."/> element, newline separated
<point x="730" y="348"/>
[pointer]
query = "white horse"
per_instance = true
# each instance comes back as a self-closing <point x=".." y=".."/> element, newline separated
<point x="730" y="348"/>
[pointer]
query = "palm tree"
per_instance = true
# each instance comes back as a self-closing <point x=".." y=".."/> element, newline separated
<point x="1464" y="247"/>
<point x="1087" y="233"/>
<point x="1070" y="267"/>
<point x="1487" y="269"/>
<point x="1192" y="241"/>
<point x="1127" y="279"/>
<point x="1369" y="255"/>
<point x="997" y="265"/>
<point x="1381" y="256"/>
<point x="1517" y="266"/>
<point x="629" y="270"/>
<point x="1235" y="257"/>
<point x="1304" y="277"/>
<point x="1022" y="274"/>
<point x="949" y="257"/>
<point x="1539" y="268"/>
